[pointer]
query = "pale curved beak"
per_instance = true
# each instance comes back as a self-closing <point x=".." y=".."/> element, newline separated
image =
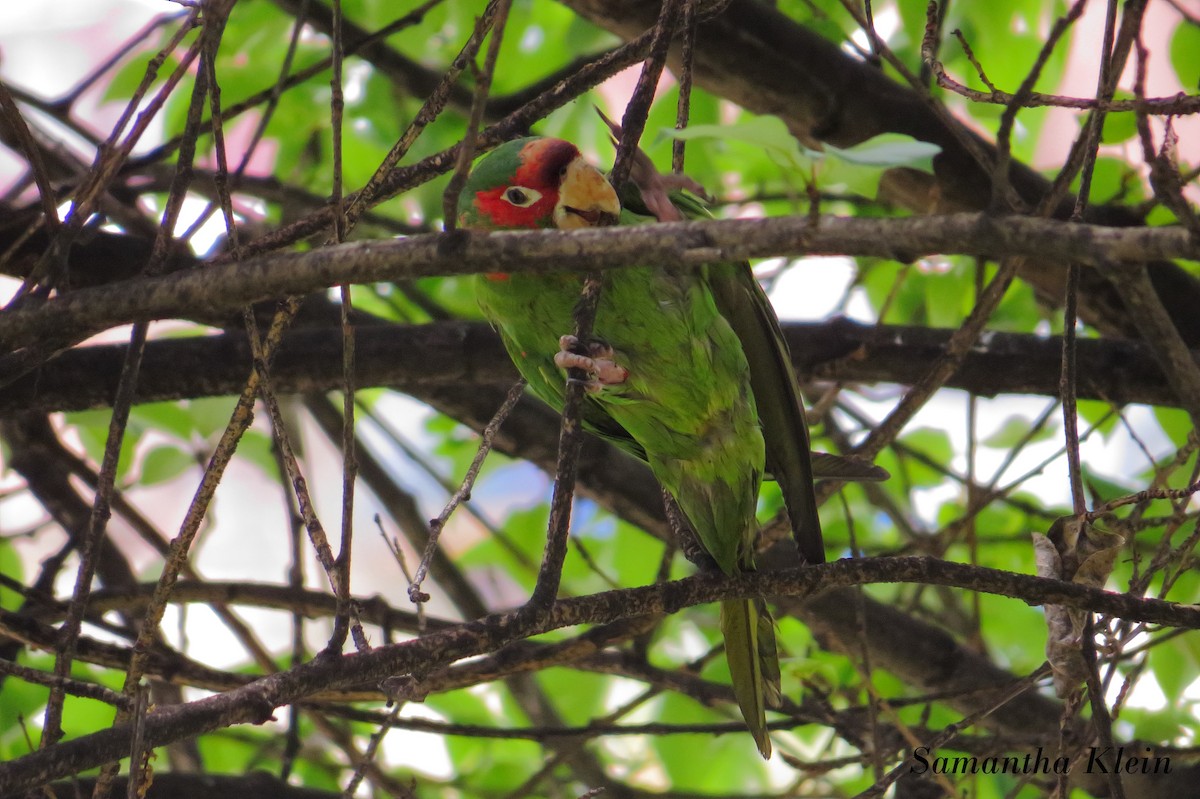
<point x="585" y="198"/>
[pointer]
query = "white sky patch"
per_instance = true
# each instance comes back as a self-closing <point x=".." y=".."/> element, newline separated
<point x="49" y="46"/>
<point x="1145" y="694"/>
<point x="811" y="288"/>
<point x="532" y="38"/>
<point x="887" y="22"/>
<point x="420" y="751"/>
<point x="209" y="233"/>
<point x="354" y="81"/>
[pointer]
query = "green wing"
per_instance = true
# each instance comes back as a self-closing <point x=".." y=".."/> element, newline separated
<point x="744" y="304"/>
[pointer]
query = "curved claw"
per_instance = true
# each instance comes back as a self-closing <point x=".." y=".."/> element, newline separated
<point x="598" y="363"/>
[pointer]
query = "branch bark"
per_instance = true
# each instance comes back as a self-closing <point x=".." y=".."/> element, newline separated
<point x="421" y="359"/>
<point x="256" y="702"/>
<point x="220" y="288"/>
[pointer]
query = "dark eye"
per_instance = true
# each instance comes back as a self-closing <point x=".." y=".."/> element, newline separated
<point x="521" y="197"/>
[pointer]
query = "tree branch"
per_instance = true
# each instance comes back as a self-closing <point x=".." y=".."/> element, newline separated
<point x="421" y="359"/>
<point x="227" y="286"/>
<point x="255" y="703"/>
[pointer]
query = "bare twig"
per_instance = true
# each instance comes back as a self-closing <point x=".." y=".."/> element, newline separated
<point x="415" y="594"/>
<point x="570" y="438"/>
<point x="466" y="148"/>
<point x="375" y="187"/>
<point x="633" y="122"/>
<point x="683" y="110"/>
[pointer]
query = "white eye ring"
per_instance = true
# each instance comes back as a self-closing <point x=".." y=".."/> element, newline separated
<point x="520" y="196"/>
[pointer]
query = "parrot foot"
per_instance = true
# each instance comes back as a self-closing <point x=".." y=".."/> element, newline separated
<point x="597" y="362"/>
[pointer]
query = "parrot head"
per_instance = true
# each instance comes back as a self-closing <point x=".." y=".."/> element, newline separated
<point x="536" y="182"/>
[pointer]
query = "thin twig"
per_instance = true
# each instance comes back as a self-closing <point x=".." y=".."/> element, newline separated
<point x="683" y="108"/>
<point x="1101" y="718"/>
<point x="404" y="178"/>
<point x="33" y="157"/>
<point x="952" y="731"/>
<point x="970" y="54"/>
<point x="436" y="525"/>
<point x="68" y="685"/>
<point x="368" y="755"/>
<point x="140" y="773"/>
<point x="633" y="121"/>
<point x="429" y="111"/>
<point x="466" y="148"/>
<point x="1003" y="199"/>
<point x="570" y="438"/>
<point x="337" y="104"/>
<point x="256" y="699"/>
<point x="956" y="349"/>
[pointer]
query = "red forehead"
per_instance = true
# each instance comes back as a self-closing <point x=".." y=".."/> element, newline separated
<point x="542" y="161"/>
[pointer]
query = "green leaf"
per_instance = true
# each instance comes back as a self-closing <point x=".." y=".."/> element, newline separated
<point x="1106" y="489"/>
<point x="945" y="296"/>
<point x="172" y="418"/>
<point x="22" y="701"/>
<point x="579" y="697"/>
<point x="1115" y="180"/>
<point x="1093" y="411"/>
<point x="1119" y="126"/>
<point x="769" y="133"/>
<point x="889" y="150"/>
<point x="92" y="427"/>
<point x="164" y="463"/>
<point x="1160" y="724"/>
<point x="1185" y="55"/>
<point x="705" y="763"/>
<point x="858" y="167"/>
<point x="1176" y="663"/>
<point x="934" y="445"/>
<point x="11" y="568"/>
<point x="1014" y="429"/>
<point x="1175" y="422"/>
<point x="258" y="448"/>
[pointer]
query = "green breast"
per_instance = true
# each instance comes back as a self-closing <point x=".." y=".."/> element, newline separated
<point x="687" y="403"/>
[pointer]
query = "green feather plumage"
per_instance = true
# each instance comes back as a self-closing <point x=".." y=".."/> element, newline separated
<point x="692" y="407"/>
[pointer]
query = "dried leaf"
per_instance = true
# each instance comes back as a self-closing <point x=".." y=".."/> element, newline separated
<point x="1082" y="554"/>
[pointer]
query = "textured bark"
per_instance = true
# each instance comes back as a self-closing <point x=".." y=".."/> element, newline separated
<point x="256" y="702"/>
<point x="427" y="361"/>
<point x="223" y="288"/>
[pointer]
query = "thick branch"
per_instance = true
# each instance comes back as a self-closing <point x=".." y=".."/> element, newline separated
<point x="223" y="287"/>
<point x="418" y="359"/>
<point x="256" y="702"/>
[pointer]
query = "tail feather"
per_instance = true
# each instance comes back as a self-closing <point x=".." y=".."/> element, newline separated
<point x="753" y="663"/>
<point x="768" y="655"/>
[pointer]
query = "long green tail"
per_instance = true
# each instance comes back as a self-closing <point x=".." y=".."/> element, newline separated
<point x="753" y="659"/>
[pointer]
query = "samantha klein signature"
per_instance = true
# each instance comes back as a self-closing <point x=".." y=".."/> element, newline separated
<point x="1100" y="760"/>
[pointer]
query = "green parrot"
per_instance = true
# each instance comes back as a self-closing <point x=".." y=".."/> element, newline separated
<point x="687" y="370"/>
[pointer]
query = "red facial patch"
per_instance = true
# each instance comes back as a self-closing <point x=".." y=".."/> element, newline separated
<point x="542" y="164"/>
<point x="503" y="214"/>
